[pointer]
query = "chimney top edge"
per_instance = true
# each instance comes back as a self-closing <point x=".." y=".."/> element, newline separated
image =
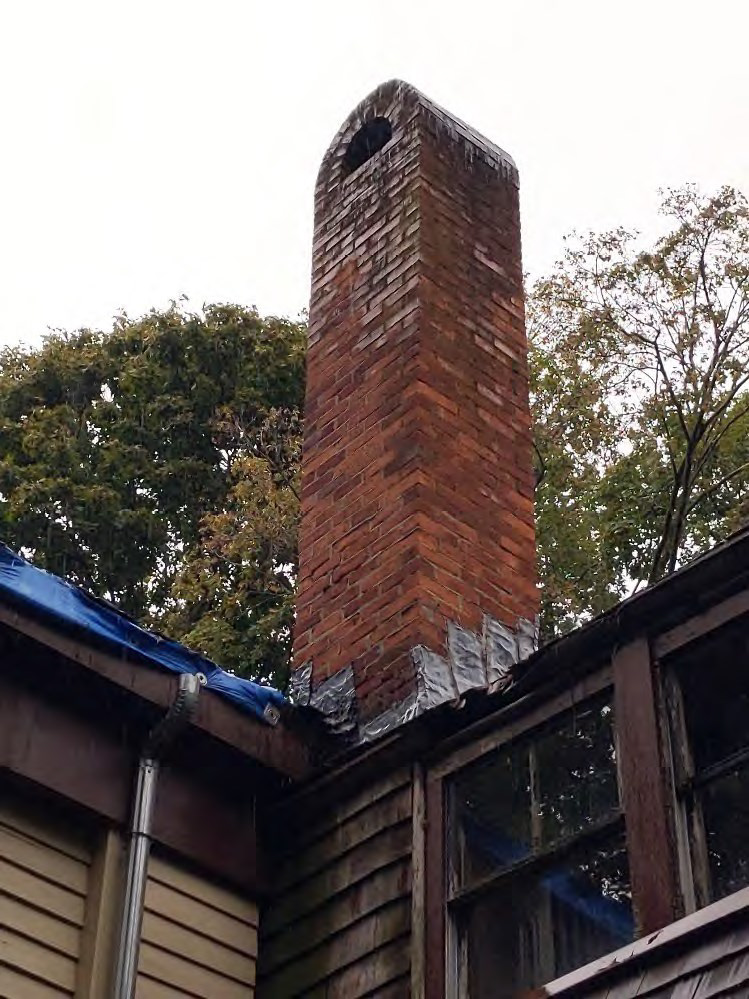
<point x="396" y="98"/>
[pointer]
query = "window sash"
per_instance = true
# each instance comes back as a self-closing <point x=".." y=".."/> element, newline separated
<point x="537" y="862"/>
<point x="690" y="785"/>
<point x="525" y="876"/>
<point x="529" y="742"/>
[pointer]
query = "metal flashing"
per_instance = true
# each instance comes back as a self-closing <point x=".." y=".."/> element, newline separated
<point x="483" y="661"/>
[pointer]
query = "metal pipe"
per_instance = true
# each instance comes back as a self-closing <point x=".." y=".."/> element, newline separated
<point x="139" y="847"/>
<point x="135" y="878"/>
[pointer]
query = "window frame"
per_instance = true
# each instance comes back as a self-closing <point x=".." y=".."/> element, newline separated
<point x="686" y="781"/>
<point x="636" y="666"/>
<point x="459" y="900"/>
<point x="515" y="720"/>
<point x="656" y="837"/>
<point x="645" y="799"/>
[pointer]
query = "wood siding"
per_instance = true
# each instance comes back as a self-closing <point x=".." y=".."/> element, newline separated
<point x="44" y="876"/>
<point x="198" y="939"/>
<point x="707" y="969"/>
<point x="339" y="925"/>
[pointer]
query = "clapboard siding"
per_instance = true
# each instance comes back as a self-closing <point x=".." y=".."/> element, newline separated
<point x="44" y="875"/>
<point x="707" y="967"/>
<point x="339" y="922"/>
<point x="199" y="939"/>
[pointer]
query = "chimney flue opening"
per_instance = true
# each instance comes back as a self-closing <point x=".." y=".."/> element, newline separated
<point x="370" y="139"/>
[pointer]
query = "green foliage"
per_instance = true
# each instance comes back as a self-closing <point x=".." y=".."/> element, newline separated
<point x="119" y="449"/>
<point x="157" y="465"/>
<point x="234" y="595"/>
<point x="641" y="403"/>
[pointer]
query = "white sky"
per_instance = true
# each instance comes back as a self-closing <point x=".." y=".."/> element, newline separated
<point x="156" y="149"/>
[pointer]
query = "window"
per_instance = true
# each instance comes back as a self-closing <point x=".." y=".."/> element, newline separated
<point x="539" y="880"/>
<point x="708" y="700"/>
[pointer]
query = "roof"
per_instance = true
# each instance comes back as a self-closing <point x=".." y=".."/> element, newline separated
<point x="53" y="600"/>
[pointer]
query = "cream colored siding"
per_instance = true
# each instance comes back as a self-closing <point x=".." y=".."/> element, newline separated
<point x="43" y="884"/>
<point x="198" y="939"/>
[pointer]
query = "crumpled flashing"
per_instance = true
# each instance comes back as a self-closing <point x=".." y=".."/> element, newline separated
<point x="398" y="715"/>
<point x="467" y="658"/>
<point x="501" y="652"/>
<point x="527" y="636"/>
<point x="435" y="682"/>
<point x="473" y="662"/>
<point x="300" y="685"/>
<point x="334" y="699"/>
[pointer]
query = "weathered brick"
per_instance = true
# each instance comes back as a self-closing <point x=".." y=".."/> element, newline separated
<point x="417" y="467"/>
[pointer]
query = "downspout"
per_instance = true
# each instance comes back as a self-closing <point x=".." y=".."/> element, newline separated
<point x="158" y="741"/>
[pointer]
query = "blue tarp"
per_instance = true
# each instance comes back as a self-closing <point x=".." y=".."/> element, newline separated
<point x="48" y="597"/>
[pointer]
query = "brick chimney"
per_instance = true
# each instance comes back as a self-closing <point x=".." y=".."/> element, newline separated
<point x="417" y="551"/>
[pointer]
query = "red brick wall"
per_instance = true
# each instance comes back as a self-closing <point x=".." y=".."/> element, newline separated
<point x="417" y="471"/>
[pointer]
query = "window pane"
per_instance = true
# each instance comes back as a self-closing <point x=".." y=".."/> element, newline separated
<point x="576" y="768"/>
<point x="493" y="806"/>
<point x="714" y="678"/>
<point x="530" y="930"/>
<point x="531" y="794"/>
<point x="725" y="811"/>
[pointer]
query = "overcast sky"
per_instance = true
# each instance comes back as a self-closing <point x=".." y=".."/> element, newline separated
<point x="156" y="149"/>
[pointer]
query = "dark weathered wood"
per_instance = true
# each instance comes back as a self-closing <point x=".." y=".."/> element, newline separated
<point x="279" y="748"/>
<point x="418" y="885"/>
<point x="191" y="819"/>
<point x="380" y="970"/>
<point x="435" y="890"/>
<point x="650" y="832"/>
<point x="354" y="866"/>
<point x="701" y="624"/>
<point x="326" y="847"/>
<point x="44" y="744"/>
<point x="350" y="776"/>
<point x="354" y="945"/>
<point x="481" y="737"/>
<point x="339" y="924"/>
<point x="313" y="930"/>
<point x="693" y="880"/>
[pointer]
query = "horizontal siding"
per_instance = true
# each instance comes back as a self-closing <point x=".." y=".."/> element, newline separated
<point x="709" y="968"/>
<point x="44" y="877"/>
<point x="339" y="922"/>
<point x="198" y="939"/>
<point x="19" y="985"/>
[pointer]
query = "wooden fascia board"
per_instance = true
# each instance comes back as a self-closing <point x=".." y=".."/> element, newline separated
<point x="52" y="751"/>
<point x="277" y="747"/>
<point x="701" y="624"/>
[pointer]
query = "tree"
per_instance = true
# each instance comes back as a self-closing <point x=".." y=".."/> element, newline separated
<point x="158" y="465"/>
<point x="641" y="403"/>
<point x="234" y="596"/>
<point x="118" y="449"/>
